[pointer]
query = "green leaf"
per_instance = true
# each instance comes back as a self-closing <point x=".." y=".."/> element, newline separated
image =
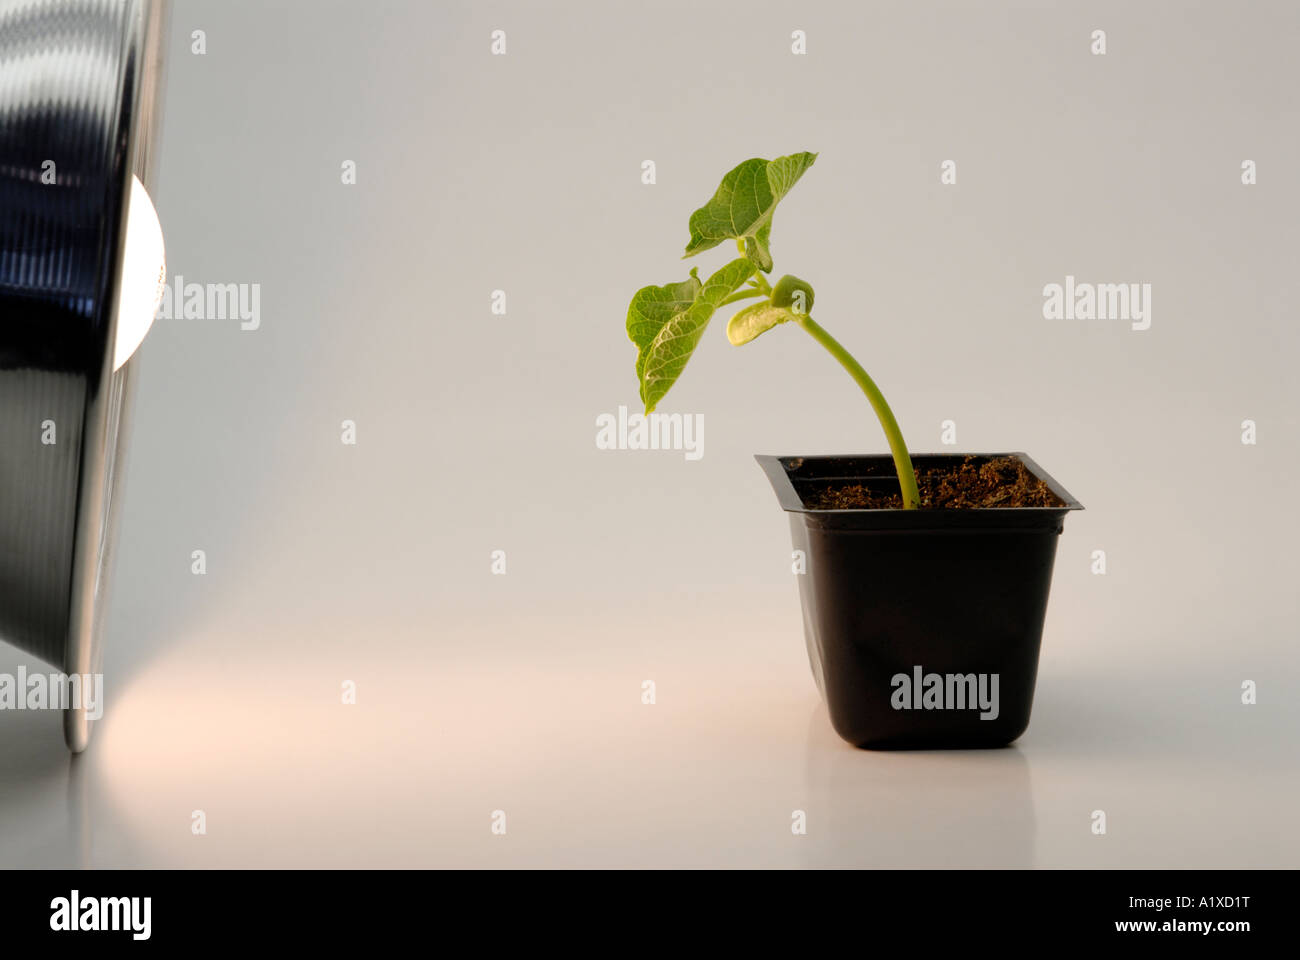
<point x="665" y="340"/>
<point x="743" y="205"/>
<point x="754" y="320"/>
<point x="651" y="309"/>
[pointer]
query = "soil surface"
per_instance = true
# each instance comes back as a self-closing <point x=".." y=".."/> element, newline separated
<point x="1000" y="482"/>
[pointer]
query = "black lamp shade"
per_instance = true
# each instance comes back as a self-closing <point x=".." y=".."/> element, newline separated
<point x="79" y="102"/>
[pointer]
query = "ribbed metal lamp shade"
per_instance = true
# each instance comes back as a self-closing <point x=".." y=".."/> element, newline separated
<point x="78" y="107"/>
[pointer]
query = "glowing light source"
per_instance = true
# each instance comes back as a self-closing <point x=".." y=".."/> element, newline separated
<point x="144" y="274"/>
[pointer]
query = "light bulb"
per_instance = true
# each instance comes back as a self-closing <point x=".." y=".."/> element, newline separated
<point x="144" y="274"/>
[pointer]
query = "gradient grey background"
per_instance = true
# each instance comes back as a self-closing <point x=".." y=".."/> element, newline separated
<point x="476" y="432"/>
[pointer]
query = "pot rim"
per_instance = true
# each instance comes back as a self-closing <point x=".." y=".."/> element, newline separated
<point x="779" y="469"/>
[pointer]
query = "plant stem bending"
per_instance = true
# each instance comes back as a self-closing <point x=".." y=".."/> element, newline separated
<point x="902" y="459"/>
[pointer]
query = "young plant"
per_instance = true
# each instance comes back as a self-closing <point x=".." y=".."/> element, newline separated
<point x="666" y="322"/>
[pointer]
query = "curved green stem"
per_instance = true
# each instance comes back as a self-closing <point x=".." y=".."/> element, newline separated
<point x="902" y="460"/>
<point x="742" y="295"/>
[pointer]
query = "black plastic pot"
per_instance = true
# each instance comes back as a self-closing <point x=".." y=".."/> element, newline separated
<point x="954" y="594"/>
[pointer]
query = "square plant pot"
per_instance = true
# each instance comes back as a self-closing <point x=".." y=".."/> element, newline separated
<point x="923" y="626"/>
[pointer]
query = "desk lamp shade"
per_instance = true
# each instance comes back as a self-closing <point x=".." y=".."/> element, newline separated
<point x="79" y="103"/>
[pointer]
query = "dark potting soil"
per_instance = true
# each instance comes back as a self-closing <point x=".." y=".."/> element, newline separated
<point x="1000" y="482"/>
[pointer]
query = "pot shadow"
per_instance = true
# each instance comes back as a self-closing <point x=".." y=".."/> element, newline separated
<point x="1095" y="714"/>
<point x="916" y="809"/>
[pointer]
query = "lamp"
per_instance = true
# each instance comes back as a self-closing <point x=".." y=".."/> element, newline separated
<point x="79" y="251"/>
